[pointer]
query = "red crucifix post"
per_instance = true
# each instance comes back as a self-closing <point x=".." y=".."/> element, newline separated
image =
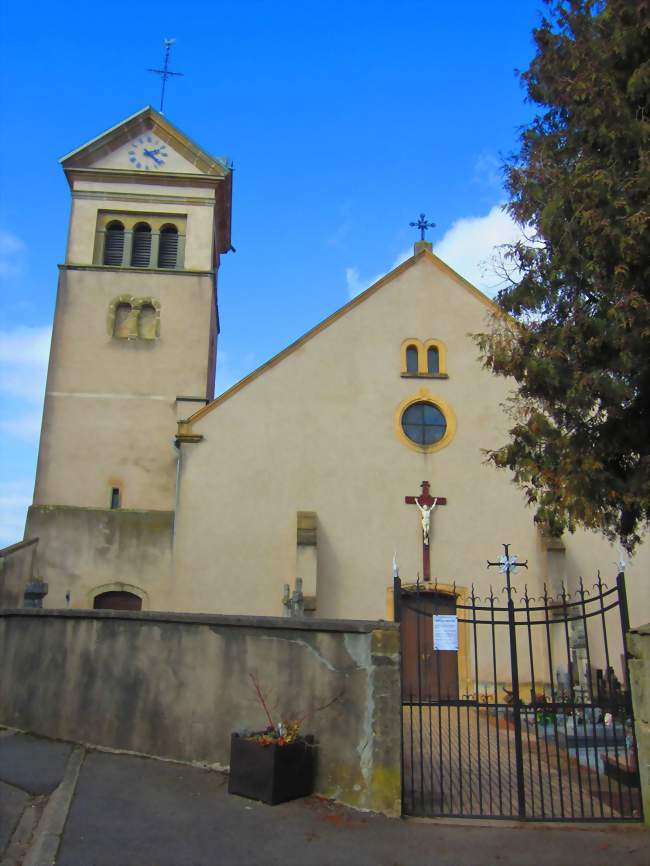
<point x="426" y="503"/>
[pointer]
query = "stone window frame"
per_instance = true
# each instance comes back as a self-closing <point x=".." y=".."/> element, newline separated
<point x="136" y="304"/>
<point x="422" y="347"/>
<point x="129" y="219"/>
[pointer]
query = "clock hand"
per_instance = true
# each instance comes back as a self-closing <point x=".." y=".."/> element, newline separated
<point x="152" y="154"/>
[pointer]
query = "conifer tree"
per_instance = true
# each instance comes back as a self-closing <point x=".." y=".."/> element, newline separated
<point x="576" y="339"/>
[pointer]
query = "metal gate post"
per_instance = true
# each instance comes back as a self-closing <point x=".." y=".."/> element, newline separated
<point x="516" y="703"/>
<point x="625" y="623"/>
<point x="397" y="616"/>
<point x="506" y="562"/>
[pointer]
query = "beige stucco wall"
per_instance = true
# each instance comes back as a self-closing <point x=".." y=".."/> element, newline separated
<point x="316" y="432"/>
<point x="87" y="551"/>
<point x="178" y="686"/>
<point x="110" y="405"/>
<point x="166" y="197"/>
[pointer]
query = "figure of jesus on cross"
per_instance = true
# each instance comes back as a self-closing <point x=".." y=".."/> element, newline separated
<point x="425" y="503"/>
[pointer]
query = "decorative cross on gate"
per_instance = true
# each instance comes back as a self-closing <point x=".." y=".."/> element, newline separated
<point x="426" y="503"/>
<point x="507" y="565"/>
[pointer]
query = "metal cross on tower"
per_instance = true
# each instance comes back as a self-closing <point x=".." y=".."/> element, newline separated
<point x="423" y="225"/>
<point x="165" y="72"/>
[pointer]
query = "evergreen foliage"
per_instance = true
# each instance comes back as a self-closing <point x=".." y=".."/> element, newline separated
<point x="577" y="337"/>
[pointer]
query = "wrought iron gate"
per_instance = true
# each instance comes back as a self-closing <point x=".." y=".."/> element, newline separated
<point x="533" y="722"/>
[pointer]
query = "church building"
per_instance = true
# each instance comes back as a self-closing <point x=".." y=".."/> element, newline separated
<point x="151" y="494"/>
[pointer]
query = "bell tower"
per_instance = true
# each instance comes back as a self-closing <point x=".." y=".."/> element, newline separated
<point x="136" y="322"/>
<point x="133" y="351"/>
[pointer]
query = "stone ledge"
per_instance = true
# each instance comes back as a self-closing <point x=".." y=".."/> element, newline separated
<point x="355" y="626"/>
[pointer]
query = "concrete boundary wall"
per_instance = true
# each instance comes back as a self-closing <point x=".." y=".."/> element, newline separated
<point x="16" y="570"/>
<point x="177" y="685"/>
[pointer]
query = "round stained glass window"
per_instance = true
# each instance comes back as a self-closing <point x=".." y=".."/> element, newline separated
<point x="424" y="423"/>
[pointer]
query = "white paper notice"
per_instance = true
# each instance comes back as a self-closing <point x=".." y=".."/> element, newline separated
<point x="445" y="632"/>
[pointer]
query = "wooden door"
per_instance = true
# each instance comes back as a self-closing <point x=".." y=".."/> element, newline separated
<point x="435" y="677"/>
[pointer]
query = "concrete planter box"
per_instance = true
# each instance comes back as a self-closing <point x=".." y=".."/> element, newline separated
<point x="272" y="774"/>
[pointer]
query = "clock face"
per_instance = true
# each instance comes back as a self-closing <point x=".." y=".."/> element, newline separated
<point x="148" y="152"/>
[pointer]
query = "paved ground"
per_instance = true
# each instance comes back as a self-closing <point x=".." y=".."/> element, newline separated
<point x="458" y="761"/>
<point x="123" y="810"/>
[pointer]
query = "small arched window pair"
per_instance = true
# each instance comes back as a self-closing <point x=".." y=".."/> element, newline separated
<point x="134" y="318"/>
<point x="425" y="359"/>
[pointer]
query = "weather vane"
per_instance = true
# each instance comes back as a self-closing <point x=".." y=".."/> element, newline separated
<point x="165" y="72"/>
<point x="423" y="225"/>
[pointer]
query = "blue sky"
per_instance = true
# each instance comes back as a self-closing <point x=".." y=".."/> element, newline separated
<point x="344" y="122"/>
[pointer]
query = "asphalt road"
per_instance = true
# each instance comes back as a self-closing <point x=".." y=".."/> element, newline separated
<point x="134" y="811"/>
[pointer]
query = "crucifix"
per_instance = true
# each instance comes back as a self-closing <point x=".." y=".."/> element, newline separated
<point x="425" y="503"/>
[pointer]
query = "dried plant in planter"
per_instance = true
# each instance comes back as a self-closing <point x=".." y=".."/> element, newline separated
<point x="276" y="764"/>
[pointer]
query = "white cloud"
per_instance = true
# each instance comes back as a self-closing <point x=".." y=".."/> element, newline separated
<point x="25" y="426"/>
<point x="471" y="245"/>
<point x="487" y="170"/>
<point x="339" y="237"/>
<point x="24" y="345"/>
<point x="355" y="284"/>
<point x="24" y="354"/>
<point x="12" y="249"/>
<point x="15" y="498"/>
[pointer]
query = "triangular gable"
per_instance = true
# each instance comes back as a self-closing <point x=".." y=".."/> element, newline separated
<point x="359" y="299"/>
<point x="110" y="149"/>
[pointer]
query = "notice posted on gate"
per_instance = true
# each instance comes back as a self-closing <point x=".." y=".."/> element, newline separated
<point x="445" y="632"/>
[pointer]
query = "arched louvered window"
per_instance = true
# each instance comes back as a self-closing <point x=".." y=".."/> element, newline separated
<point x="433" y="360"/>
<point x="168" y="249"/>
<point x="141" y="249"/>
<point x="114" y="243"/>
<point x="411" y="359"/>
